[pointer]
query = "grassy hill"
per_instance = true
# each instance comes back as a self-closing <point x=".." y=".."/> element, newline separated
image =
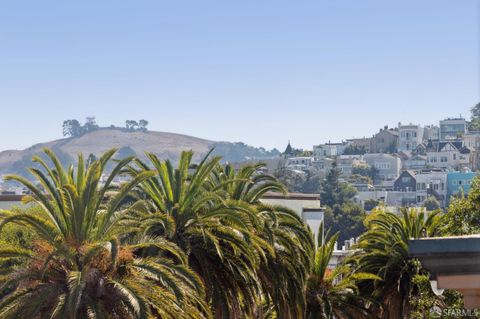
<point x="165" y="145"/>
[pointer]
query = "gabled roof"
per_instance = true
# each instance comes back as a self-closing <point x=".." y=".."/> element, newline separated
<point x="465" y="150"/>
<point x="289" y="149"/>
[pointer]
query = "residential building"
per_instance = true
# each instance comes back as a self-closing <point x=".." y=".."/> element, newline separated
<point x="385" y="141"/>
<point x="409" y="137"/>
<point x="452" y="129"/>
<point x="302" y="163"/>
<point x="432" y="132"/>
<point x="345" y="163"/>
<point x="328" y="150"/>
<point x="458" y="182"/>
<point x="452" y="155"/>
<point x="431" y="182"/>
<point x="387" y="165"/>
<point x="400" y="198"/>
<point x="406" y="182"/>
<point x="472" y="140"/>
<point x="416" y="161"/>
<point x="360" y="143"/>
<point x="307" y="206"/>
<point x="453" y="263"/>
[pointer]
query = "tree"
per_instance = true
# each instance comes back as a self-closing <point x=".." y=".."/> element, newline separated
<point x="334" y="293"/>
<point x="474" y="124"/>
<point x="431" y="203"/>
<point x="290" y="244"/>
<point x="184" y="208"/>
<point x="332" y="191"/>
<point x="346" y="219"/>
<point x="370" y="204"/>
<point x="90" y="125"/>
<point x="72" y="128"/>
<point x="80" y="266"/>
<point x="355" y="150"/>
<point x="463" y="213"/>
<point x="142" y="125"/>
<point x="131" y="125"/>
<point x="383" y="251"/>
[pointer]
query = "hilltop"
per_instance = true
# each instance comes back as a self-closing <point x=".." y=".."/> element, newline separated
<point x="165" y="145"/>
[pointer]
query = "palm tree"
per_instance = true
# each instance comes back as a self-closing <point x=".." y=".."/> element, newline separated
<point x="384" y="252"/>
<point x="182" y="205"/>
<point x="334" y="293"/>
<point x="81" y="266"/>
<point x="290" y="251"/>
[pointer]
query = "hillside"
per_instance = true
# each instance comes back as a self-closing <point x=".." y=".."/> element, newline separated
<point x="165" y="145"/>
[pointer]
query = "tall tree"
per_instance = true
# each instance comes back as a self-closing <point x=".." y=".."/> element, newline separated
<point x="334" y="293"/>
<point x="80" y="267"/>
<point x="142" y="125"/>
<point x="383" y="251"/>
<point x="215" y="233"/>
<point x="474" y="124"/>
<point x="72" y="128"/>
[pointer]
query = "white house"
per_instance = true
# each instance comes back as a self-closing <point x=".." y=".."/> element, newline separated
<point x="432" y="182"/>
<point x="302" y="163"/>
<point x="409" y="137"/>
<point x="450" y="155"/>
<point x="388" y="165"/>
<point x="329" y="150"/>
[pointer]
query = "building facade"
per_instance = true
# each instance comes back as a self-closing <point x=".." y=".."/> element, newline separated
<point x="452" y="129"/>
<point x="409" y="136"/>
<point x="385" y="141"/>
<point x="387" y="165"/>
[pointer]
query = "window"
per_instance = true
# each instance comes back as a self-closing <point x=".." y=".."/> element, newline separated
<point x="454" y="156"/>
<point x="406" y="179"/>
<point x="443" y="159"/>
<point x="433" y="159"/>
<point x="460" y="182"/>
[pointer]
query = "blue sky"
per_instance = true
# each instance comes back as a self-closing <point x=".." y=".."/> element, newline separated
<point x="262" y="72"/>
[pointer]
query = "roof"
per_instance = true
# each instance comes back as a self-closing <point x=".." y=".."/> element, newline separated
<point x="289" y="149"/>
<point x="448" y="255"/>
<point x="300" y="196"/>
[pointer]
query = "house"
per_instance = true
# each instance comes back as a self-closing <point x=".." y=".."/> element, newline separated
<point x="360" y="143"/>
<point x="306" y="206"/>
<point x="431" y="182"/>
<point x="409" y="137"/>
<point x="472" y="140"/>
<point x="431" y="132"/>
<point x="345" y="163"/>
<point x="385" y="141"/>
<point x="416" y="161"/>
<point x="452" y="129"/>
<point x="451" y="154"/>
<point x="302" y="163"/>
<point x="387" y="165"/>
<point x="458" y="182"/>
<point x="406" y="182"/>
<point x="328" y="150"/>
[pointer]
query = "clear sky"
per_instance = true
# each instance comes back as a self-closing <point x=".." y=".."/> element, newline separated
<point x="261" y="72"/>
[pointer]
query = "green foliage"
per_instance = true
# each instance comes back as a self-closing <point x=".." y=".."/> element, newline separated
<point x="346" y="219"/>
<point x="463" y="213"/>
<point x="474" y="124"/>
<point x="334" y="293"/>
<point x="366" y="170"/>
<point x="333" y="191"/>
<point x="78" y="266"/>
<point x="431" y="203"/>
<point x="239" y="152"/>
<point x="370" y="204"/>
<point x="384" y="252"/>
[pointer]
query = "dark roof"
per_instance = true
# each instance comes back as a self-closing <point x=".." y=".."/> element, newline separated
<point x="289" y="149"/>
<point x="465" y="150"/>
